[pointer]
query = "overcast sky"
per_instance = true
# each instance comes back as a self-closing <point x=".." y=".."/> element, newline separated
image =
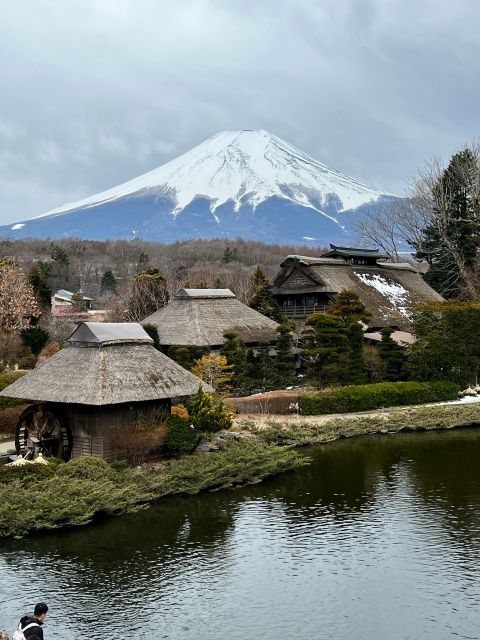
<point x="95" y="92"/>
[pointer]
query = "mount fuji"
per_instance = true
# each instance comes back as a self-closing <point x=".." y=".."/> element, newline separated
<point x="248" y="184"/>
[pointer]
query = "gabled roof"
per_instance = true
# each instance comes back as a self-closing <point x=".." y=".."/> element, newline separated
<point x="63" y="294"/>
<point x="117" y="371"/>
<point x="97" y="333"/>
<point x="354" y="252"/>
<point x="201" y="320"/>
<point x="204" y="293"/>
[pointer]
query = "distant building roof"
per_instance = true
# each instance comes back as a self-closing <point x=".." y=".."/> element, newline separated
<point x="201" y="320"/>
<point x="204" y="293"/>
<point x="354" y="252"/>
<point x="63" y="294"/>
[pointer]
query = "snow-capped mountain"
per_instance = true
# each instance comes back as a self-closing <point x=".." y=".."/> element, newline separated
<point x="248" y="184"/>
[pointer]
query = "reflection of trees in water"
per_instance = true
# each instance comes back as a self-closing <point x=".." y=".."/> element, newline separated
<point x="134" y="549"/>
<point x="446" y="474"/>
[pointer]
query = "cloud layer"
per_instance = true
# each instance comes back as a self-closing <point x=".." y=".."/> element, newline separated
<point x="95" y="93"/>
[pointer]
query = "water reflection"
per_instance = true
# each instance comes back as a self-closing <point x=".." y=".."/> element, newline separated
<point x="378" y="538"/>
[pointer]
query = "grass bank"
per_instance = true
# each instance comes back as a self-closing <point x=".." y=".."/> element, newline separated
<point x="297" y="432"/>
<point x="40" y="497"/>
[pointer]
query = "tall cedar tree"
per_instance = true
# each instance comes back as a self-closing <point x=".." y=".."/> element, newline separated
<point x="324" y="347"/>
<point x="261" y="372"/>
<point x="285" y="359"/>
<point x="393" y="355"/>
<point x="350" y="309"/>
<point x="451" y="242"/>
<point x="42" y="292"/>
<point x="108" y="283"/>
<point x="447" y="346"/>
<point x="236" y="353"/>
<point x="262" y="299"/>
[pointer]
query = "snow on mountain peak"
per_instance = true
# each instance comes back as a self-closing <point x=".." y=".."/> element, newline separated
<point x="243" y="167"/>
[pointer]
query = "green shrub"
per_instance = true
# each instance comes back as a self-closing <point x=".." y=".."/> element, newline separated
<point x="208" y="414"/>
<point x="181" y="437"/>
<point x="6" y="378"/>
<point x="26" y="473"/>
<point x="376" y="396"/>
<point x="86" y="468"/>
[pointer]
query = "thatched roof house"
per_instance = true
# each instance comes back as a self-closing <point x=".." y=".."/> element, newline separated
<point x="108" y="375"/>
<point x="200" y="317"/>
<point x="305" y="285"/>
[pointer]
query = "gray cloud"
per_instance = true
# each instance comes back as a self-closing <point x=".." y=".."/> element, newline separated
<point x="94" y="93"/>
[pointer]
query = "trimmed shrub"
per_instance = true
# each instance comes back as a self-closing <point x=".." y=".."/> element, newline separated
<point x="376" y="396"/>
<point x="178" y="410"/>
<point x="86" y="468"/>
<point x="9" y="418"/>
<point x="208" y="414"/>
<point x="181" y="436"/>
<point x="26" y="473"/>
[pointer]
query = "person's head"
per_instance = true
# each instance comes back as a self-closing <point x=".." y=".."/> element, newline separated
<point x="40" y="611"/>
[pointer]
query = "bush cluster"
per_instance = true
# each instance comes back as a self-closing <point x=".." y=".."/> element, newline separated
<point x="6" y="378"/>
<point x="181" y="436"/>
<point x="376" y="396"/>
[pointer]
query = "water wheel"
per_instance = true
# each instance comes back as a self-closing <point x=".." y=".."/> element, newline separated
<point x="40" y="430"/>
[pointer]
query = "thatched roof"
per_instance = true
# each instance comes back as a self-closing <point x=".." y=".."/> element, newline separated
<point x="353" y="252"/>
<point x="200" y="317"/>
<point x="388" y="290"/>
<point x="103" y="364"/>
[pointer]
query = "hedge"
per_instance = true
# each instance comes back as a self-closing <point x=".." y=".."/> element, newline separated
<point x="376" y="396"/>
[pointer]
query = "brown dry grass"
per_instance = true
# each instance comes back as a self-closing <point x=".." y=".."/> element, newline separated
<point x="272" y="402"/>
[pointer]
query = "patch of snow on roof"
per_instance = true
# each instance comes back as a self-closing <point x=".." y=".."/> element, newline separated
<point x="395" y="293"/>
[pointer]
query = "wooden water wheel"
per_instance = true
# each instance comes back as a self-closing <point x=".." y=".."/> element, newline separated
<point x="40" y="430"/>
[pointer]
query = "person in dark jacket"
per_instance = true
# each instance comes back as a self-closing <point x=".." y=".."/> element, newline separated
<point x="35" y="632"/>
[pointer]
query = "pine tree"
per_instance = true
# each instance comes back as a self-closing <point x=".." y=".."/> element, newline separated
<point x="356" y="358"/>
<point x="324" y="346"/>
<point x="187" y="356"/>
<point x="351" y="310"/>
<point x="40" y="287"/>
<point x="285" y="359"/>
<point x="152" y="331"/>
<point x="263" y="300"/>
<point x="35" y="338"/>
<point x="236" y="353"/>
<point x="392" y="354"/>
<point x="450" y="242"/>
<point x="108" y="283"/>
<point x="78" y="302"/>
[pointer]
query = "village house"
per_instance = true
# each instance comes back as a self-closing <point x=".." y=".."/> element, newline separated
<point x="306" y="285"/>
<point x="63" y="304"/>
<point x="106" y="377"/>
<point x="201" y="317"/>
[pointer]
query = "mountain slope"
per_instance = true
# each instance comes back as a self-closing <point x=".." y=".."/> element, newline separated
<point x="238" y="183"/>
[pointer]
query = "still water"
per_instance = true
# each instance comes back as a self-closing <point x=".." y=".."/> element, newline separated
<point x="379" y="539"/>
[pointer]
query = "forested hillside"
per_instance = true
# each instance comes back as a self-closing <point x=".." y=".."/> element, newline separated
<point x="75" y="264"/>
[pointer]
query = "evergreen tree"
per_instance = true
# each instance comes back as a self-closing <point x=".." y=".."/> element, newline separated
<point x="263" y="300"/>
<point x="285" y="359"/>
<point x="393" y="355"/>
<point x="108" y="283"/>
<point x="152" y="331"/>
<point x="449" y="243"/>
<point x="40" y="287"/>
<point x="351" y="310"/>
<point x="187" y="356"/>
<point x="35" y="338"/>
<point x="447" y="346"/>
<point x="324" y="346"/>
<point x="356" y="357"/>
<point x="349" y="307"/>
<point x="236" y="353"/>
<point x="78" y="302"/>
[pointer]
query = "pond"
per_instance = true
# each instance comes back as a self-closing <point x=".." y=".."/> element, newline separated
<point x="378" y="539"/>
